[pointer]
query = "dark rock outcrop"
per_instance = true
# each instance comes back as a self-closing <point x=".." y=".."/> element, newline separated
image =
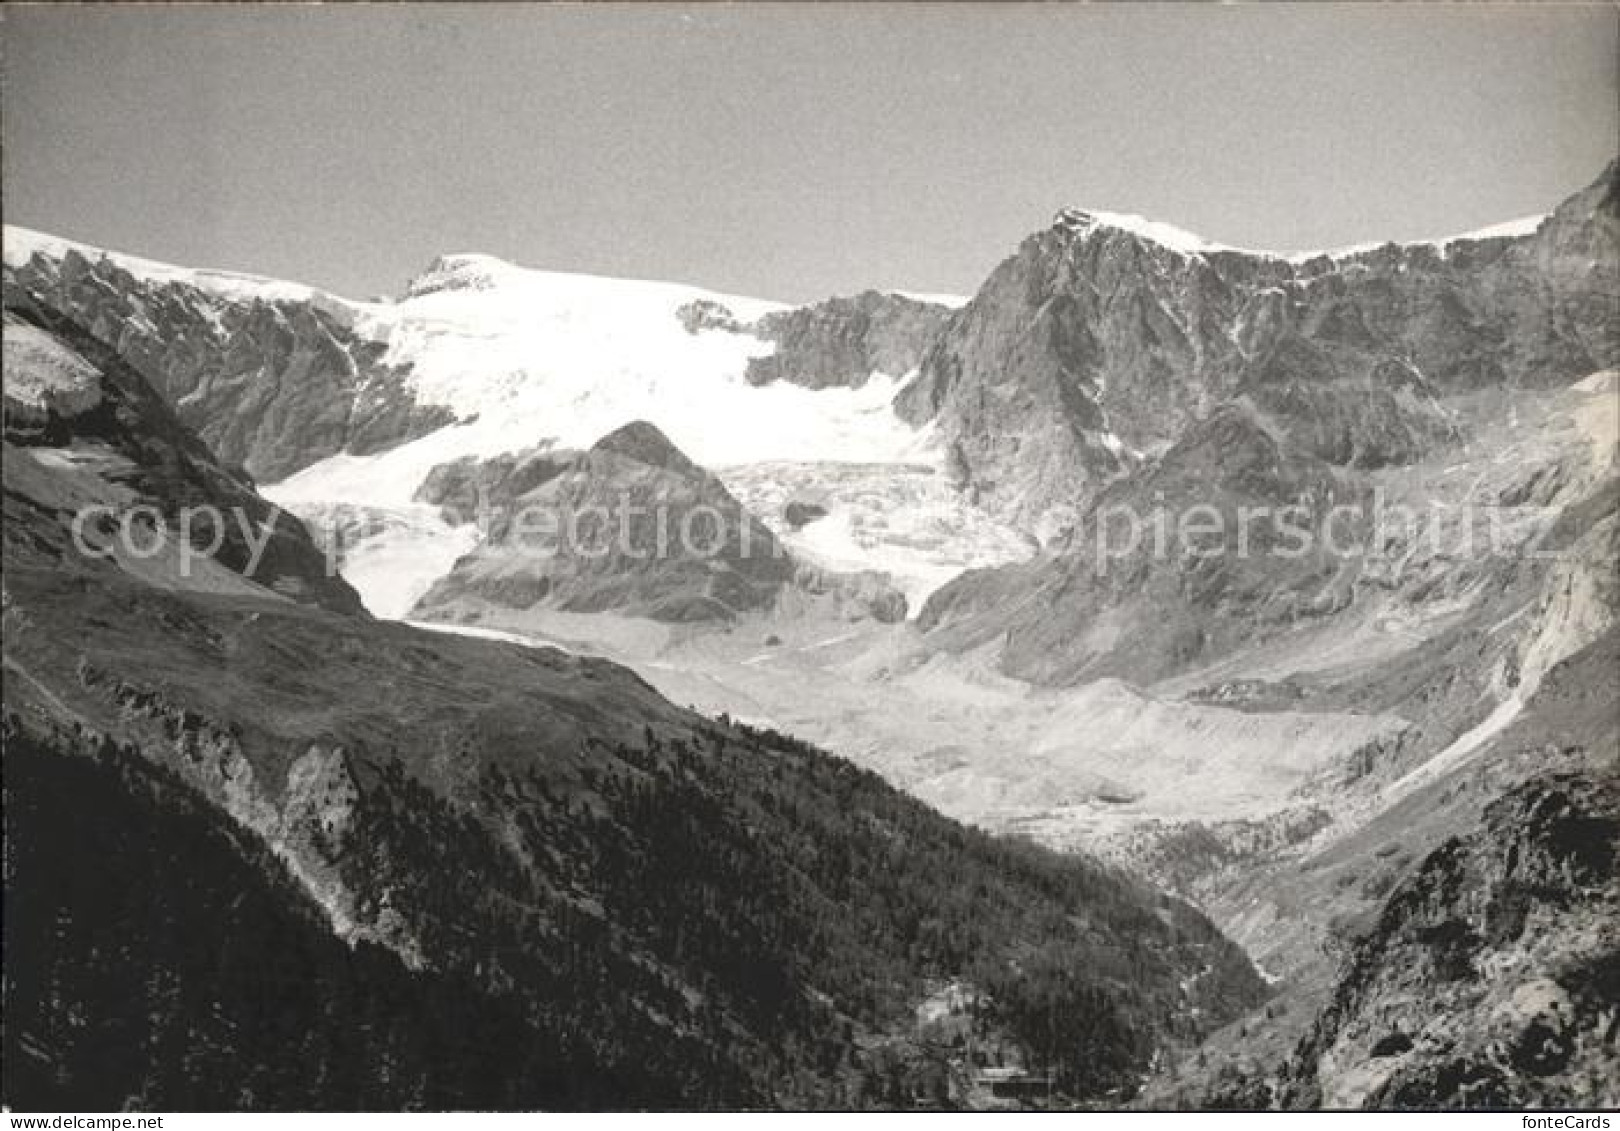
<point x="631" y="526"/>
<point x="801" y="512"/>
<point x="468" y="487"/>
<point x="706" y="314"/>
<point x="843" y="341"/>
<point x="1489" y="979"/>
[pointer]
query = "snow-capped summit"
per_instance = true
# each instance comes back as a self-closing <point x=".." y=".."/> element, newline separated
<point x="1165" y="235"/>
<point x="461" y="272"/>
<point x="1085" y="221"/>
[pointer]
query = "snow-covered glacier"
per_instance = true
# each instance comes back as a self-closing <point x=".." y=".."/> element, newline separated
<point x="525" y="358"/>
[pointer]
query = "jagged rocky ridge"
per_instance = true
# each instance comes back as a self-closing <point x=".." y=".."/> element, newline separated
<point x="1309" y="386"/>
<point x="272" y="378"/>
<point x="276" y="376"/>
<point x="1096" y="346"/>
<point x="843" y="341"/>
<point x="1488" y="979"/>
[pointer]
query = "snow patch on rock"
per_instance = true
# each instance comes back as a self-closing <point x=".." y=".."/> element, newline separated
<point x="1188" y="243"/>
<point x="44" y="374"/>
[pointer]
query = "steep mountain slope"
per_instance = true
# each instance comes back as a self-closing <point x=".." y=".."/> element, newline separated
<point x="735" y="895"/>
<point x="1237" y="556"/>
<point x="1490" y="977"/>
<point x="1127" y="602"/>
<point x="1106" y="336"/>
<point x="631" y="903"/>
<point x="272" y="376"/>
<point x="86" y="438"/>
<point x="1317" y="395"/>
<point x="1444" y="398"/>
<point x="630" y="526"/>
<point x="1308" y="914"/>
<point x="128" y="990"/>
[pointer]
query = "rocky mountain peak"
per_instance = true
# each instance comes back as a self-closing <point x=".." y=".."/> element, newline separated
<point x="645" y="443"/>
<point x="1109" y="333"/>
<point x="272" y="376"/>
<point x="1089" y="222"/>
<point x="459" y="272"/>
<point x="674" y="544"/>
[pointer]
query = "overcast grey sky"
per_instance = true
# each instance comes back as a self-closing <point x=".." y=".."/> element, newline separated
<point x="784" y="151"/>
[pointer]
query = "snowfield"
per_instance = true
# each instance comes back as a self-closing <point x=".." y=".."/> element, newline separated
<point x="536" y="358"/>
<point x="531" y="356"/>
<point x="392" y="555"/>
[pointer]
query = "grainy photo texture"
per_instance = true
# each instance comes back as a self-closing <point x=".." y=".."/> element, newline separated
<point x="745" y="557"/>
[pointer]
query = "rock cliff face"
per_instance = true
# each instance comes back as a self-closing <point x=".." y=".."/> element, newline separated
<point x="1130" y="596"/>
<point x="843" y="341"/>
<point x="836" y="343"/>
<point x="1235" y="538"/>
<point x="1114" y="381"/>
<point x="1100" y="342"/>
<point x="631" y="526"/>
<point x="88" y="441"/>
<point x="272" y="377"/>
<point x="1490" y="978"/>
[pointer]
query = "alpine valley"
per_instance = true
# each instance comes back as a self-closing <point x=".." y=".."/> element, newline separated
<point x="920" y="785"/>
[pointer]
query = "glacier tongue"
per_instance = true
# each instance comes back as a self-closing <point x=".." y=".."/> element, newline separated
<point x="390" y="554"/>
<point x="902" y="520"/>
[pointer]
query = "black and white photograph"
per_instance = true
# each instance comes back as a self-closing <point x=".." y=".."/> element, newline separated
<point x="745" y="557"/>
